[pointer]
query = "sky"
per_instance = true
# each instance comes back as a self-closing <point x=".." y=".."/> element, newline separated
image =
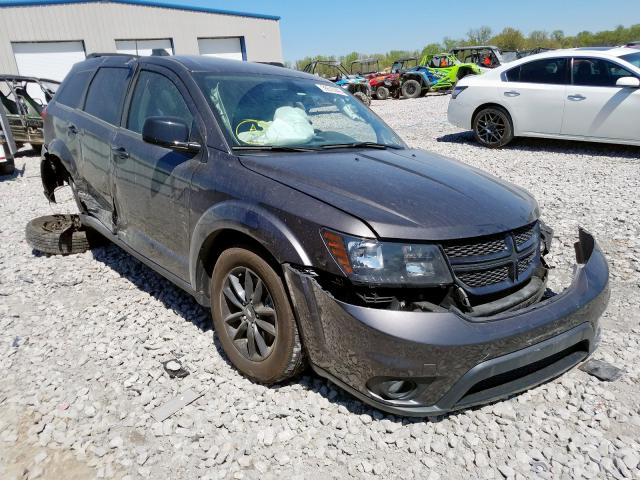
<point x="338" y="27"/>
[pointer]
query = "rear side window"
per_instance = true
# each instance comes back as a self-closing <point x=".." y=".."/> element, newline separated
<point x="106" y="92"/>
<point x="596" y="72"/>
<point x="72" y="89"/>
<point x="547" y="71"/>
<point x="156" y="96"/>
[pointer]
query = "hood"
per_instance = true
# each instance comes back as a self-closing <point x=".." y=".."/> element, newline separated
<point x="404" y="194"/>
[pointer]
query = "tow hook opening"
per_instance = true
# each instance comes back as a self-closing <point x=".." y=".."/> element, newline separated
<point x="392" y="388"/>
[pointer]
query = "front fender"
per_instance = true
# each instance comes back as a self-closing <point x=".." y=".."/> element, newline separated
<point x="251" y="220"/>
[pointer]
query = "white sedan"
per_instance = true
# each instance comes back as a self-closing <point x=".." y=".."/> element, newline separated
<point x="588" y="94"/>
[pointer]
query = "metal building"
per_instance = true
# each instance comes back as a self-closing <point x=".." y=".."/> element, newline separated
<point x="44" y="38"/>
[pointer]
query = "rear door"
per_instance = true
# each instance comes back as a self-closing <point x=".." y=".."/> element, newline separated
<point x="596" y="108"/>
<point x="534" y="94"/>
<point x="102" y="111"/>
<point x="153" y="182"/>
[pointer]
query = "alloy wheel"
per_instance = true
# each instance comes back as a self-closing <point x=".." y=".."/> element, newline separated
<point x="491" y="127"/>
<point x="249" y="314"/>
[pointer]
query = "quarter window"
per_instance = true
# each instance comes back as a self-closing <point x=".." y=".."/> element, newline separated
<point x="547" y="71"/>
<point x="596" y="72"/>
<point x="106" y="92"/>
<point x="156" y="96"/>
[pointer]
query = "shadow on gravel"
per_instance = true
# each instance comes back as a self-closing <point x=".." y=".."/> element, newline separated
<point x="553" y="146"/>
<point x="17" y="173"/>
<point x="146" y="280"/>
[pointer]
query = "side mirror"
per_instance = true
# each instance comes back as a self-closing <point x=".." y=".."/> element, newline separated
<point x="168" y="132"/>
<point x="630" y="82"/>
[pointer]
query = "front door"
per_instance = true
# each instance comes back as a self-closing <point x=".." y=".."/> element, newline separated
<point x="534" y="94"/>
<point x="596" y="108"/>
<point x="152" y="182"/>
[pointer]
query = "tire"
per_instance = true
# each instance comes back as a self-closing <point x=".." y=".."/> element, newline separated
<point x="492" y="127"/>
<point x="382" y="93"/>
<point x="280" y="356"/>
<point x="411" y="89"/>
<point x="364" y="98"/>
<point x="57" y="235"/>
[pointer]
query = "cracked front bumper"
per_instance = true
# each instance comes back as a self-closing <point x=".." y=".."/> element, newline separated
<point x="455" y="361"/>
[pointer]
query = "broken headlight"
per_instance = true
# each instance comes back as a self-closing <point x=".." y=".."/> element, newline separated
<point x="387" y="263"/>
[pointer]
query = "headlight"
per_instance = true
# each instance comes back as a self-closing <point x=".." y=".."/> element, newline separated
<point x="457" y="91"/>
<point x="387" y="263"/>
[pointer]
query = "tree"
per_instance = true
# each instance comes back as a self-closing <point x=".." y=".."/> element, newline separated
<point x="479" y="36"/>
<point x="509" y="39"/>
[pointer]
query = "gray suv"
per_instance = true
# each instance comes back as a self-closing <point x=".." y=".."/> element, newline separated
<point x="316" y="236"/>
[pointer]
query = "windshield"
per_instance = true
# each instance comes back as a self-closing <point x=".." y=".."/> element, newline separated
<point x="276" y="111"/>
<point x="632" y="58"/>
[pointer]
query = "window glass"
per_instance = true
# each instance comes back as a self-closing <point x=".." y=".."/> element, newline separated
<point x="105" y="95"/>
<point x="156" y="96"/>
<point x="632" y="58"/>
<point x="273" y="110"/>
<point x="72" y="89"/>
<point x="595" y="72"/>
<point x="547" y="71"/>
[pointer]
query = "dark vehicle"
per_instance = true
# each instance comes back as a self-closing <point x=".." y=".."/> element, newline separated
<point x="23" y="100"/>
<point x="357" y="85"/>
<point x="415" y="282"/>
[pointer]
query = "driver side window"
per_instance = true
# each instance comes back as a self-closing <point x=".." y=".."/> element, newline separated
<point x="156" y="96"/>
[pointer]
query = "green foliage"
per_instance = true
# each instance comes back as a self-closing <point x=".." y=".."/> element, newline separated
<point x="508" y="39"/>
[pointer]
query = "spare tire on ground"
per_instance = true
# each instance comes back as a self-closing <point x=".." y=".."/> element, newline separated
<point x="58" y="234"/>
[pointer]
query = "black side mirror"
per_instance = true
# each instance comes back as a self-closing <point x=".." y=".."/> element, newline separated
<point x="168" y="132"/>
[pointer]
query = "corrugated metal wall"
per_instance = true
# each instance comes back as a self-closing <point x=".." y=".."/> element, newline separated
<point x="100" y="24"/>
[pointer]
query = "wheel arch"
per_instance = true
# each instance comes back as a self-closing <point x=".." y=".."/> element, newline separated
<point x="235" y="223"/>
<point x="493" y="104"/>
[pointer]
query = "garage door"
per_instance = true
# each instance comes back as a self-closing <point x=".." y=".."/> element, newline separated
<point x="144" y="47"/>
<point x="231" y="47"/>
<point x="47" y="59"/>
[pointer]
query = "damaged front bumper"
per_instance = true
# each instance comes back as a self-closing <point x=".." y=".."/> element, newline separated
<point x="444" y="361"/>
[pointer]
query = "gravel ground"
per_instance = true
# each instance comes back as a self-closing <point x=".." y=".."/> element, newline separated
<point x="83" y="339"/>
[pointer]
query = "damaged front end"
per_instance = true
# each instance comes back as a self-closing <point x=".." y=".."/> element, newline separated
<point x="427" y="351"/>
<point x="484" y="276"/>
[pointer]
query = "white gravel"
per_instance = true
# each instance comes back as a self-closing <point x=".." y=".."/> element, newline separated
<point x="83" y="338"/>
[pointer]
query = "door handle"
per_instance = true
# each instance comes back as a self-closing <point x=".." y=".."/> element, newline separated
<point x="577" y="97"/>
<point x="511" y="93"/>
<point x="72" y="129"/>
<point x="120" y="152"/>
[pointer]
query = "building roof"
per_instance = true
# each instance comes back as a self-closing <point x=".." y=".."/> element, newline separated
<point x="145" y="3"/>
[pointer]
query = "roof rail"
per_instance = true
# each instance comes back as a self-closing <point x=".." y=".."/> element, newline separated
<point x="98" y="55"/>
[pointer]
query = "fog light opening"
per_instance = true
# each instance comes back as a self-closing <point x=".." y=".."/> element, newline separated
<point x="394" y="389"/>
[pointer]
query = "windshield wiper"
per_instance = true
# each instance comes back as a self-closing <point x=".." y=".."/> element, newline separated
<point x="381" y="146"/>
<point x="272" y="148"/>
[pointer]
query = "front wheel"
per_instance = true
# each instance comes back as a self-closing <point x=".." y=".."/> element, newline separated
<point x="382" y="93"/>
<point x="253" y="318"/>
<point x="411" y="89"/>
<point x="492" y="127"/>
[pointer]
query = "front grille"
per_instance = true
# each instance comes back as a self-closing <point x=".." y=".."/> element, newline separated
<point x="524" y="263"/>
<point x="496" y="261"/>
<point x="524" y="234"/>
<point x="480" y="248"/>
<point x="484" y="277"/>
